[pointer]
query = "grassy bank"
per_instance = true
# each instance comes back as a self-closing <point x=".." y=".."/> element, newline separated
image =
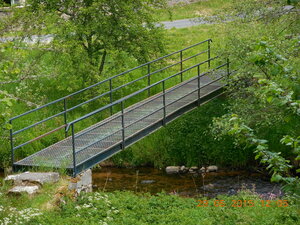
<point x="187" y="141"/>
<point x="192" y="10"/>
<point x="55" y="205"/>
<point x="41" y="88"/>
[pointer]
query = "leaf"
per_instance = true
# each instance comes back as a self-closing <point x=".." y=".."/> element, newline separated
<point x="270" y="99"/>
<point x="276" y="178"/>
<point x="7" y="126"/>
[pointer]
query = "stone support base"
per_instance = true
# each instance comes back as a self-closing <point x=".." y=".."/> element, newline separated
<point x="82" y="183"/>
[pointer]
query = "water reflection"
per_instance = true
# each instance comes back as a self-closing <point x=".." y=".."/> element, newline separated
<point x="188" y="185"/>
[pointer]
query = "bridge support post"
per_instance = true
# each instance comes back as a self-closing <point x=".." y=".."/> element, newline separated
<point x="208" y="53"/>
<point x="65" y="117"/>
<point x="181" y="66"/>
<point x="164" y="103"/>
<point x="110" y="96"/>
<point x="149" y="80"/>
<point x="82" y="182"/>
<point x="123" y="126"/>
<point x="74" y="152"/>
<point x="12" y="146"/>
<point x="199" y="84"/>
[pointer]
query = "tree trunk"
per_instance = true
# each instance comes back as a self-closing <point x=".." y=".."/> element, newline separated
<point x="101" y="68"/>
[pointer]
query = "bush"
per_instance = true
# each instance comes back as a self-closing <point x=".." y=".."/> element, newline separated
<point x="188" y="141"/>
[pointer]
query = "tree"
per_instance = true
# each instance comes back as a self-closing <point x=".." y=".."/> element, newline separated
<point x="5" y="104"/>
<point x="4" y="3"/>
<point x="96" y="30"/>
<point x="5" y="100"/>
<point x="264" y="92"/>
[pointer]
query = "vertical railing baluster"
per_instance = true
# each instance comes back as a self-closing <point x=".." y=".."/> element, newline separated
<point x="181" y="66"/>
<point x="199" y="85"/>
<point x="208" y="53"/>
<point x="65" y="116"/>
<point x="12" y="145"/>
<point x="110" y="95"/>
<point x="149" y="80"/>
<point x="164" y="102"/>
<point x="74" y="152"/>
<point x="123" y="125"/>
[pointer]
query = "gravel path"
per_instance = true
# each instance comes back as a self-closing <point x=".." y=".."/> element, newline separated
<point x="174" y="2"/>
<point x="46" y="39"/>
<point x="185" y="23"/>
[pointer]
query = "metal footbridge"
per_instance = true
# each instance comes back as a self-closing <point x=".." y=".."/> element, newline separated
<point x="117" y="111"/>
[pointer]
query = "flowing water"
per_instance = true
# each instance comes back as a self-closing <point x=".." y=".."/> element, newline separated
<point x="187" y="185"/>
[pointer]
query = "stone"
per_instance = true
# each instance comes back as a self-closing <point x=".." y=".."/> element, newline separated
<point x="202" y="170"/>
<point x="208" y="187"/>
<point x="82" y="183"/>
<point x="183" y="169"/>
<point x="72" y="186"/>
<point x="147" y="181"/>
<point x="24" y="189"/>
<point x="231" y="192"/>
<point x="86" y="178"/>
<point x="288" y="7"/>
<point x="172" y="169"/>
<point x="193" y="169"/>
<point x="35" y="178"/>
<point x="212" y="169"/>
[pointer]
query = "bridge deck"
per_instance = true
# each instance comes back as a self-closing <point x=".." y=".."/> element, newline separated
<point x="101" y="137"/>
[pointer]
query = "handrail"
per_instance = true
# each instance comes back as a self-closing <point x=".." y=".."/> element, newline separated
<point x="108" y="92"/>
<point x="156" y="110"/>
<point x="153" y="98"/>
<point x="133" y="94"/>
<point x="101" y="82"/>
<point x="112" y="103"/>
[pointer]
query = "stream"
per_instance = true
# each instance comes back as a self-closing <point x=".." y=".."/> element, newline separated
<point x="186" y="185"/>
<point x="154" y="181"/>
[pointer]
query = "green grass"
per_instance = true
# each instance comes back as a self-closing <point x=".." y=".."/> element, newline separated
<point x="191" y="35"/>
<point x="187" y="141"/>
<point x="193" y="10"/>
<point x="176" y="40"/>
<point x="55" y="205"/>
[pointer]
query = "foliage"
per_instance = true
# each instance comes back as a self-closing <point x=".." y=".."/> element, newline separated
<point x="5" y="101"/>
<point x="40" y="68"/>
<point x="192" y="9"/>
<point x="187" y="141"/>
<point x="278" y="165"/>
<point x="62" y="46"/>
<point x="94" y="32"/>
<point x="5" y="104"/>
<point x="3" y="3"/>
<point x="130" y="208"/>
<point x="264" y="92"/>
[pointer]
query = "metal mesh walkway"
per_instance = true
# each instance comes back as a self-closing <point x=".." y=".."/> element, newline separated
<point x="100" y="141"/>
<point x="108" y="133"/>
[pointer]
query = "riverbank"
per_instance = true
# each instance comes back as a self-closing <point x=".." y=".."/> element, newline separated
<point x="142" y="180"/>
<point x="54" y="204"/>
